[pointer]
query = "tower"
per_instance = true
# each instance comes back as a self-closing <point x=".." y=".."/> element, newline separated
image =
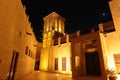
<point x="53" y="28"/>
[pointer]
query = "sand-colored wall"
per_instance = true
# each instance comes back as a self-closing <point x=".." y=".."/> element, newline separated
<point x="110" y="45"/>
<point x="114" y="37"/>
<point x="13" y="27"/>
<point x="49" y="54"/>
<point x="115" y="11"/>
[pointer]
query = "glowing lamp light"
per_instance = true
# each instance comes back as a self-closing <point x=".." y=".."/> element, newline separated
<point x="111" y="63"/>
<point x="118" y="77"/>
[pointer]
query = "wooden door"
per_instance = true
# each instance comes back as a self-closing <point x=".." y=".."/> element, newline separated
<point x="63" y="63"/>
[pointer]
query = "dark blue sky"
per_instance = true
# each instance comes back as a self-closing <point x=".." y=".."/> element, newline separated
<point x="79" y="14"/>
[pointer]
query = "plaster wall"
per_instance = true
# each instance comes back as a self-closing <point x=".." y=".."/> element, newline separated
<point x="115" y="11"/>
<point x="49" y="54"/>
<point x="13" y="27"/>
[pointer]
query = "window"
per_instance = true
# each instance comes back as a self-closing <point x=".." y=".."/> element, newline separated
<point x="117" y="61"/>
<point x="13" y="65"/>
<point x="56" y="63"/>
<point x="92" y="63"/>
<point x="26" y="51"/>
<point x="63" y="63"/>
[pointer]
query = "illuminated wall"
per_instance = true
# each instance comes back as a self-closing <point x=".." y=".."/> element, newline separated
<point x="49" y="54"/>
<point x="47" y="39"/>
<point x="110" y="47"/>
<point x="113" y="43"/>
<point x="114" y="38"/>
<point x="15" y="35"/>
<point x="44" y="59"/>
<point x="115" y="11"/>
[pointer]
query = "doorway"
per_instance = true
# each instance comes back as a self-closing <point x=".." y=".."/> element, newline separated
<point x="92" y="63"/>
<point x="63" y="63"/>
<point x="13" y="65"/>
<point x="56" y="63"/>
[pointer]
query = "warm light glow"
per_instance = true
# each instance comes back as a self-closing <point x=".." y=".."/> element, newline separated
<point x="45" y="36"/>
<point x="111" y="46"/>
<point x="44" y="59"/>
<point x="48" y="41"/>
<point x="38" y="71"/>
<point x="44" y="43"/>
<point x="45" y="65"/>
<point x="77" y="61"/>
<point x="118" y="77"/>
<point x="65" y="53"/>
<point x="60" y="29"/>
<point x="47" y="28"/>
<point x="49" y="34"/>
<point x="56" y="52"/>
<point x="55" y="58"/>
<point x="60" y="26"/>
<point x="111" y="63"/>
<point x="56" y="25"/>
<point x="57" y="75"/>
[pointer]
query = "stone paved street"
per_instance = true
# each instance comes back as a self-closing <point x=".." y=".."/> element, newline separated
<point x="40" y="75"/>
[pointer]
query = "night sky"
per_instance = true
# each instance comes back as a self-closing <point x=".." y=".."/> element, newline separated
<point x="79" y="14"/>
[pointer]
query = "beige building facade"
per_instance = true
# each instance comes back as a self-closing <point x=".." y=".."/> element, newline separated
<point x="17" y="41"/>
<point x="94" y="53"/>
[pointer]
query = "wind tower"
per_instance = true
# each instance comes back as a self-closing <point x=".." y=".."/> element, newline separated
<point x="53" y="28"/>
